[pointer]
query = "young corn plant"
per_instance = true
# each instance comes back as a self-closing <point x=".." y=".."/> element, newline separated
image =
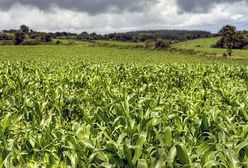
<point x="82" y="114"/>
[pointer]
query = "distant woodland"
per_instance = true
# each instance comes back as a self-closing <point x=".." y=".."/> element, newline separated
<point x="25" y="35"/>
<point x="230" y="38"/>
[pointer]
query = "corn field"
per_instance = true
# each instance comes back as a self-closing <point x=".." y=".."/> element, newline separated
<point x="113" y="115"/>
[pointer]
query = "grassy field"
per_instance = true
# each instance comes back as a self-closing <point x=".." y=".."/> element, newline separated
<point x="205" y="45"/>
<point x="109" y="105"/>
<point x="105" y="52"/>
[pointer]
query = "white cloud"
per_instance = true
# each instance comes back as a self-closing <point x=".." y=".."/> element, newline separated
<point x="163" y="15"/>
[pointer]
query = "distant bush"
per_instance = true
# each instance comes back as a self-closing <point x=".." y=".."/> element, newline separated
<point x="161" y="44"/>
<point x="8" y="42"/>
<point x="213" y="46"/>
<point x="58" y="42"/>
<point x="136" y="46"/>
<point x="4" y="36"/>
<point x="69" y="43"/>
<point x="31" y="42"/>
<point x="34" y="36"/>
<point x="148" y="44"/>
<point x="91" y="41"/>
<point x="24" y="29"/>
<point x="45" y="37"/>
<point x="19" y="38"/>
<point x="236" y="41"/>
<point x="231" y="39"/>
<point x="245" y="47"/>
<point x="224" y="54"/>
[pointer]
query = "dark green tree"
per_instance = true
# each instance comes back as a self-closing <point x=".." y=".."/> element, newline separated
<point x="227" y="40"/>
<point x="19" y="37"/>
<point x="45" y="37"/>
<point x="161" y="44"/>
<point x="227" y="30"/>
<point x="24" y="29"/>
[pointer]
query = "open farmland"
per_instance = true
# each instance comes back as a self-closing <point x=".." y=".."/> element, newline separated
<point x="112" y="52"/>
<point x="79" y="114"/>
<point x="205" y="44"/>
<point x="123" y="84"/>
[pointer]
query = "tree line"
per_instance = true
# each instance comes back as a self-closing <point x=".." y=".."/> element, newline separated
<point x="137" y="36"/>
<point x="25" y="35"/>
<point x="230" y="38"/>
<point x="172" y="35"/>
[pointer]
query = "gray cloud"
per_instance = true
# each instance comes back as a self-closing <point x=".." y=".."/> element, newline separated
<point x="89" y="6"/>
<point x="102" y="16"/>
<point x="199" y="6"/>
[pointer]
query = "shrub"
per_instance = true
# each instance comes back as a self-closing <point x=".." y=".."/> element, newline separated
<point x="148" y="44"/>
<point x="245" y="47"/>
<point x="91" y="41"/>
<point x="45" y="37"/>
<point x="214" y="46"/>
<point x="71" y="43"/>
<point x="34" y="36"/>
<point x="8" y="42"/>
<point x="24" y="28"/>
<point x="19" y="38"/>
<point x="58" y="42"/>
<point x="31" y="42"/>
<point x="224" y="54"/>
<point x="4" y="36"/>
<point x="231" y="39"/>
<point x="161" y="44"/>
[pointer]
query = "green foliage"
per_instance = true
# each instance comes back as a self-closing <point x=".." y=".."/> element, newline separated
<point x="19" y="37"/>
<point x="24" y="29"/>
<point x="148" y="44"/>
<point x="58" y="42"/>
<point x="135" y="36"/>
<point x="45" y="37"/>
<point x="161" y="44"/>
<point x="227" y="30"/>
<point x="158" y="44"/>
<point x="171" y="35"/>
<point x="118" y="53"/>
<point x="231" y="39"/>
<point x="7" y="42"/>
<point x="31" y="42"/>
<point x="82" y="114"/>
<point x="228" y="53"/>
<point x="25" y="36"/>
<point x="207" y="45"/>
<point x="235" y="41"/>
<point x="5" y="37"/>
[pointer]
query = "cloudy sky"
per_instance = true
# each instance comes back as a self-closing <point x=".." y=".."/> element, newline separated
<point x="103" y="16"/>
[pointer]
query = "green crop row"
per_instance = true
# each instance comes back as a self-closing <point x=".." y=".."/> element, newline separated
<point x="109" y="115"/>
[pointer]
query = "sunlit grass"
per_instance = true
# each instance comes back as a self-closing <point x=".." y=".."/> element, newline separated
<point x="205" y="45"/>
